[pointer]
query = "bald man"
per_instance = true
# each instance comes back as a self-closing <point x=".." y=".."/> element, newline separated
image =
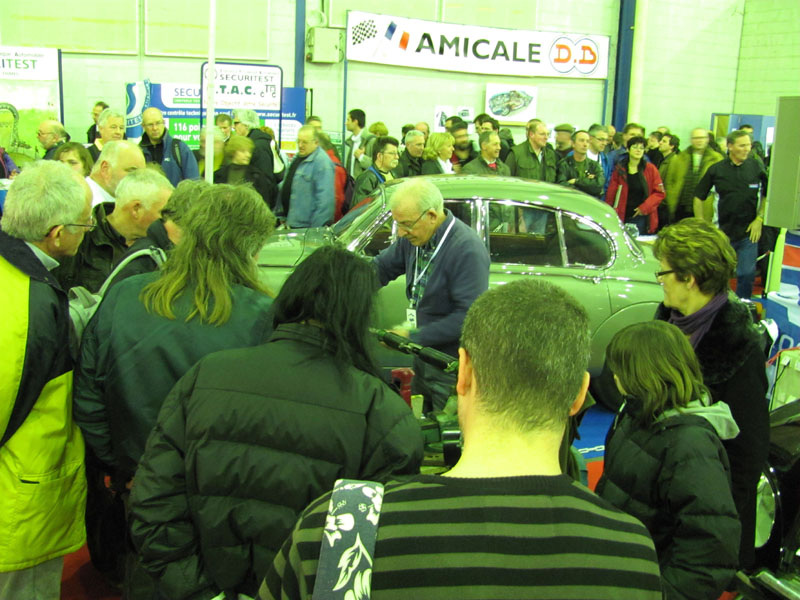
<point x="158" y="146"/>
<point x="51" y="135"/>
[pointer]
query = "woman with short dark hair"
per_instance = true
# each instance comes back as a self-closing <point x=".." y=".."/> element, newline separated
<point x="635" y="189"/>
<point x="76" y="157"/>
<point x="248" y="438"/>
<point x="664" y="462"/>
<point x="697" y="263"/>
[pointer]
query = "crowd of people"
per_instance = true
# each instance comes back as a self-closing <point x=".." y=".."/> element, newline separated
<point x="223" y="415"/>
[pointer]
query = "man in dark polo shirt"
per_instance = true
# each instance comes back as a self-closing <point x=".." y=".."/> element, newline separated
<point x="741" y="183"/>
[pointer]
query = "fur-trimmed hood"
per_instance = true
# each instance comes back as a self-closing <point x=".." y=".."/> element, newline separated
<point x="727" y="345"/>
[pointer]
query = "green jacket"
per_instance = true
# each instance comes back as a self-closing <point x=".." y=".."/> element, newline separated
<point x="100" y="250"/>
<point x="593" y="186"/>
<point x="676" y="175"/>
<point x="524" y="163"/>
<point x="479" y="166"/>
<point x="43" y="498"/>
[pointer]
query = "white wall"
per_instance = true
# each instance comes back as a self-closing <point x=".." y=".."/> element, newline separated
<point x="769" y="61"/>
<point x="398" y="95"/>
<point x="690" y="52"/>
<point x="91" y="77"/>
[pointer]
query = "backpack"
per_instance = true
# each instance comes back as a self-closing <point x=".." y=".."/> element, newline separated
<point x="349" y="188"/>
<point x="83" y="303"/>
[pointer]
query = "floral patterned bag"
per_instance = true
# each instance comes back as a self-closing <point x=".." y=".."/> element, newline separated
<point x="344" y="571"/>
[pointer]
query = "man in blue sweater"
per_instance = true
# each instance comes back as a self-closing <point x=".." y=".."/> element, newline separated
<point x="446" y="267"/>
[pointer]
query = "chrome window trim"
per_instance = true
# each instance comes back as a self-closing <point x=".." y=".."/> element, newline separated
<point x="484" y="212"/>
<point x="602" y="230"/>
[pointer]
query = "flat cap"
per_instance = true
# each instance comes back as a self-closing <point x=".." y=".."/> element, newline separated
<point x="564" y="127"/>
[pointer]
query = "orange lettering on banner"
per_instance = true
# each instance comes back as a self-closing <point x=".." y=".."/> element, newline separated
<point x="560" y="58"/>
<point x="588" y="61"/>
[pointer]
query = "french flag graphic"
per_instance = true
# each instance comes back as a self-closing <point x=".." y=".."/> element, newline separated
<point x="402" y="40"/>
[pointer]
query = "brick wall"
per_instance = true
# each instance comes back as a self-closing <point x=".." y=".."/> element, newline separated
<point x="769" y="61"/>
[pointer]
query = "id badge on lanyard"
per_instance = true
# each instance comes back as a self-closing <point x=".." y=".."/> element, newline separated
<point x="411" y="311"/>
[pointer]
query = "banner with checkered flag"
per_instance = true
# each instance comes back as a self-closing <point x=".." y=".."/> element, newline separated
<point x="364" y="31"/>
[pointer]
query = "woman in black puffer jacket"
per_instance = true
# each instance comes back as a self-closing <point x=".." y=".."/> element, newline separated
<point x="664" y="461"/>
<point x="248" y="438"/>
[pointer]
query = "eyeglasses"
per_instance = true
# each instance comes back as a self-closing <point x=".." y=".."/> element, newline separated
<point x="660" y="274"/>
<point x="408" y="227"/>
<point x="87" y="226"/>
<point x="153" y="124"/>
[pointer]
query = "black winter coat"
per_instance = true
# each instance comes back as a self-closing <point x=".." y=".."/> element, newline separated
<point x="244" y="442"/>
<point x="674" y="477"/>
<point x="732" y="360"/>
<point x="131" y="359"/>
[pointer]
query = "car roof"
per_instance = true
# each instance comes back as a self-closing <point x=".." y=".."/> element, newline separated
<point x="497" y="187"/>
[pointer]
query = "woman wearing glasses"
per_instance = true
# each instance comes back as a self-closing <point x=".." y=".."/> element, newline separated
<point x="635" y="190"/>
<point x="697" y="262"/>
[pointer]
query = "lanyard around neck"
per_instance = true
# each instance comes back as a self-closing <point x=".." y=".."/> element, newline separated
<point x="418" y="276"/>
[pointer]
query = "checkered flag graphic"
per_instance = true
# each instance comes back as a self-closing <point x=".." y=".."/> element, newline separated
<point x="364" y="31"/>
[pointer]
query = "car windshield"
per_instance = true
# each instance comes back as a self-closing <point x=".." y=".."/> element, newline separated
<point x="359" y="218"/>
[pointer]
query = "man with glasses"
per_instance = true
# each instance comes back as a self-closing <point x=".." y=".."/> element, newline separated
<point x="140" y="198"/>
<point x="171" y="154"/>
<point x="598" y="143"/>
<point x="384" y="158"/>
<point x="47" y="212"/>
<point x="446" y="266"/>
<point x="307" y="196"/>
<point x="51" y="135"/>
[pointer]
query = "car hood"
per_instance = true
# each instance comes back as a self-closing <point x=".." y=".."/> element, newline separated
<point x="288" y="247"/>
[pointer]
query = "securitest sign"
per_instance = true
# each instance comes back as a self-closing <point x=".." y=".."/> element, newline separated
<point x="422" y="44"/>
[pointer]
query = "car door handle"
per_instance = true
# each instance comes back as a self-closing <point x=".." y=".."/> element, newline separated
<point x="593" y="278"/>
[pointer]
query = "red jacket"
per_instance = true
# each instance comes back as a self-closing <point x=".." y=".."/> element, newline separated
<point x="655" y="191"/>
<point x="339" y="183"/>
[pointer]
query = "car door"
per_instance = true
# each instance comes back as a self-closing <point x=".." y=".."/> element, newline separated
<point x="567" y="250"/>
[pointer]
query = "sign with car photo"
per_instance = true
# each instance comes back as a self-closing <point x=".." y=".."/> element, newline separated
<point x="510" y="104"/>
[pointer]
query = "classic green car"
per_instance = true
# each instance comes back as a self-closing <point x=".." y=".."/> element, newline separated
<point x="530" y="228"/>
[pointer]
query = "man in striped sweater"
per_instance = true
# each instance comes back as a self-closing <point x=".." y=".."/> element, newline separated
<point x="504" y="522"/>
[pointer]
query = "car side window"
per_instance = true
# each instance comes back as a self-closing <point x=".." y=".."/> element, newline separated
<point x="461" y="209"/>
<point x="382" y="238"/>
<point x="523" y="235"/>
<point x="586" y="245"/>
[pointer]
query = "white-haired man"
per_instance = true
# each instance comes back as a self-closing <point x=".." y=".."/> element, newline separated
<point x="446" y="267"/>
<point x="47" y="212"/>
<point x="51" y="134"/>
<point x="110" y="128"/>
<point x="141" y="196"/>
<point x="410" y="162"/>
<point x="118" y="159"/>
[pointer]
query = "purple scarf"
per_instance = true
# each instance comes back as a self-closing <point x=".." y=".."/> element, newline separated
<point x="697" y="324"/>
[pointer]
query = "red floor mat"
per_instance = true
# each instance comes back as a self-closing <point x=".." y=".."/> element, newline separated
<point x="81" y="581"/>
